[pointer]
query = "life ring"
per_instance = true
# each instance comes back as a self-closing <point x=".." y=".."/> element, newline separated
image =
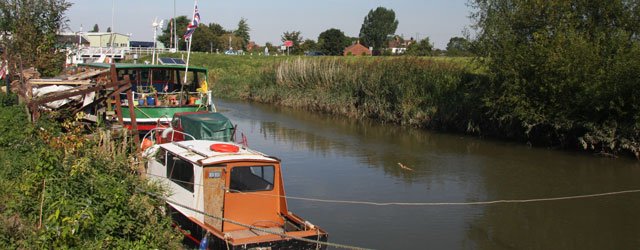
<point x="146" y="143"/>
<point x="224" y="148"/>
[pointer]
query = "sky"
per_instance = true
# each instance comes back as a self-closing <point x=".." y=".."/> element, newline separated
<point x="437" y="19"/>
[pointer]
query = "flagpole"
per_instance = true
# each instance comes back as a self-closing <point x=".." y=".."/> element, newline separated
<point x="186" y="70"/>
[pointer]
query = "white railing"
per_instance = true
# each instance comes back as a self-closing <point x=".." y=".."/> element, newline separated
<point x="96" y="52"/>
<point x="148" y="51"/>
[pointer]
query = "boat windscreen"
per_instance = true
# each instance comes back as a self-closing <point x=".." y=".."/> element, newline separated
<point x="252" y="178"/>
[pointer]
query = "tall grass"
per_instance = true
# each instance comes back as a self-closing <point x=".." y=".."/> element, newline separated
<point x="445" y="94"/>
<point x="412" y="91"/>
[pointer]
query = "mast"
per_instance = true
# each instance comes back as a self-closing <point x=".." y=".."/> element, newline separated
<point x="175" y="33"/>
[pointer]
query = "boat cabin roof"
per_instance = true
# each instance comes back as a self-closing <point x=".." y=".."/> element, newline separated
<point x="144" y="66"/>
<point x="199" y="151"/>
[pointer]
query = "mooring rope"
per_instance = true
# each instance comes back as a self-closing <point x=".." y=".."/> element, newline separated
<point x="251" y="226"/>
<point x="373" y="203"/>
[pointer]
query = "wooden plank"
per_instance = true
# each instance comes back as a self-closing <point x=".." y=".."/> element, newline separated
<point x="85" y="75"/>
<point x="59" y="82"/>
<point x="114" y="78"/>
<point x="81" y="90"/>
<point x="213" y="183"/>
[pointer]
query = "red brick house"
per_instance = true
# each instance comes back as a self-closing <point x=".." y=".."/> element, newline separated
<point x="252" y="46"/>
<point x="357" y="49"/>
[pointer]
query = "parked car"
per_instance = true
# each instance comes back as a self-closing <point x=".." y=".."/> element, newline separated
<point x="313" y="53"/>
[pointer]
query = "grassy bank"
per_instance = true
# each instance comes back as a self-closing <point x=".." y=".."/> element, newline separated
<point x="63" y="188"/>
<point x="450" y="94"/>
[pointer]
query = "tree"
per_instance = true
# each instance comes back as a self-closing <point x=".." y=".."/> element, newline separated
<point x="377" y="26"/>
<point x="204" y="39"/>
<point x="296" y="38"/>
<point x="458" y="46"/>
<point x="108" y="29"/>
<point x="243" y="32"/>
<point x="308" y="45"/>
<point x="95" y="28"/>
<point x="332" y="42"/>
<point x="208" y="38"/>
<point x="230" y="41"/>
<point x="29" y="33"/>
<point x="421" y="48"/>
<point x="563" y="68"/>
<point x="181" y="23"/>
<point x="270" y="47"/>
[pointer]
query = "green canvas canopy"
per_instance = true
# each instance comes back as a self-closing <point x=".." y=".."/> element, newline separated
<point x="204" y="126"/>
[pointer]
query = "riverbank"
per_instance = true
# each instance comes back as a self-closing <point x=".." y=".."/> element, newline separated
<point x="61" y="187"/>
<point x="447" y="94"/>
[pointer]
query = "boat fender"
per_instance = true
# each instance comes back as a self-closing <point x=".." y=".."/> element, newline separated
<point x="309" y="225"/>
<point x="146" y="143"/>
<point x="204" y="243"/>
<point x="224" y="148"/>
<point x="166" y="132"/>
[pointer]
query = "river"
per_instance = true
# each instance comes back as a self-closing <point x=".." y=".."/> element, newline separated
<point x="334" y="158"/>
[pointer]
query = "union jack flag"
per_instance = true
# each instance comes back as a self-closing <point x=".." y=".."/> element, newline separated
<point x="193" y="24"/>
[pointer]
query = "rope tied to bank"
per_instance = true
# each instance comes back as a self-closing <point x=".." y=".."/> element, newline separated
<point x="466" y="203"/>
<point x="373" y="203"/>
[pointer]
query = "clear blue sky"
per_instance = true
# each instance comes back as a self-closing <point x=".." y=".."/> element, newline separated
<point x="437" y="19"/>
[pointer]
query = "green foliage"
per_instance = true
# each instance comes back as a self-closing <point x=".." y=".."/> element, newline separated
<point x="296" y="38"/>
<point x="95" y="28"/>
<point x="208" y="38"/>
<point x="8" y="99"/>
<point x="180" y="24"/>
<point x="230" y="41"/>
<point x="564" y="72"/>
<point x="421" y="48"/>
<point x="29" y="33"/>
<point x="308" y="45"/>
<point x="333" y="42"/>
<point x="446" y="93"/>
<point x="243" y="32"/>
<point x="377" y="26"/>
<point x="86" y="187"/>
<point x="413" y="91"/>
<point x="458" y="46"/>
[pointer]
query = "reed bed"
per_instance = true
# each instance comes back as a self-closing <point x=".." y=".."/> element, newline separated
<point x="411" y="91"/>
<point x="448" y="95"/>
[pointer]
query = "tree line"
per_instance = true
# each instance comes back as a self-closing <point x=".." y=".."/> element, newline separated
<point x="378" y="28"/>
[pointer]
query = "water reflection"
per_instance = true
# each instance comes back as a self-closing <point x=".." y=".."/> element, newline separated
<point x="336" y="158"/>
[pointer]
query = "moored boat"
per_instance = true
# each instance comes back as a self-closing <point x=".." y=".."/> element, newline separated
<point x="159" y="91"/>
<point x="230" y="195"/>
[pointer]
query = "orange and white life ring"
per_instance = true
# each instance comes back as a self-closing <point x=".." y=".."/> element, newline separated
<point x="224" y="148"/>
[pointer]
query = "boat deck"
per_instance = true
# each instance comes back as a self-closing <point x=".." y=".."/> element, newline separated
<point x="248" y="233"/>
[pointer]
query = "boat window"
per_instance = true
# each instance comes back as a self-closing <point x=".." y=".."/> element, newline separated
<point x="180" y="171"/>
<point x="161" y="76"/>
<point x="249" y="179"/>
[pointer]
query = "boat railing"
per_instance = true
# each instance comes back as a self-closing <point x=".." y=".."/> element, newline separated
<point x="172" y="99"/>
<point x="166" y="133"/>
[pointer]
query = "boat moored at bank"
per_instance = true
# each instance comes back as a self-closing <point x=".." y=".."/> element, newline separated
<point x="229" y="195"/>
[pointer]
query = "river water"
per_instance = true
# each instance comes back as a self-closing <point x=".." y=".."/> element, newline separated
<point x="335" y="158"/>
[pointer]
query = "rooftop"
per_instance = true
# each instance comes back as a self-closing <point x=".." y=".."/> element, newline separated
<point x="199" y="151"/>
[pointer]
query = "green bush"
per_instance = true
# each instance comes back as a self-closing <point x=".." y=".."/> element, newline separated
<point x="86" y="187"/>
<point x="563" y="72"/>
